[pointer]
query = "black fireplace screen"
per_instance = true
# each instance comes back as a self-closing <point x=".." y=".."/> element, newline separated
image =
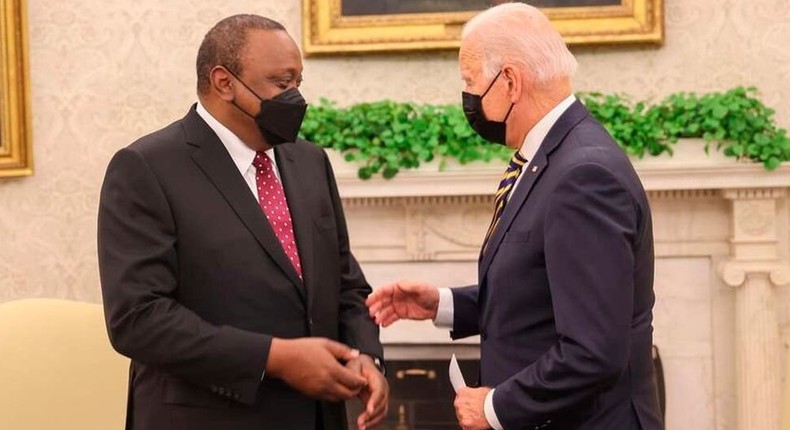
<point x="421" y="397"/>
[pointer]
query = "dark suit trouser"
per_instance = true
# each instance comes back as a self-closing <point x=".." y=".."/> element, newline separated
<point x="319" y="419"/>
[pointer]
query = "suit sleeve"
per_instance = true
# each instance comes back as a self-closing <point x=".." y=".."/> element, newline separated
<point x="357" y="329"/>
<point x="590" y="228"/>
<point x="465" y="312"/>
<point x="138" y="265"/>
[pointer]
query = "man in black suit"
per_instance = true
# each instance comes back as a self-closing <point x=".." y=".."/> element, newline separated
<point x="564" y="299"/>
<point x="224" y="257"/>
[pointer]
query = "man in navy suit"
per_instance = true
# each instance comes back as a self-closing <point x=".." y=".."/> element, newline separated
<point x="564" y="299"/>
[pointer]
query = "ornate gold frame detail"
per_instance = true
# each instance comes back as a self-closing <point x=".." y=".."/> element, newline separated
<point x="16" y="150"/>
<point x="325" y="30"/>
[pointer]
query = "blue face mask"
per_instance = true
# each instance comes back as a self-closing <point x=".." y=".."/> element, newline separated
<point x="492" y="131"/>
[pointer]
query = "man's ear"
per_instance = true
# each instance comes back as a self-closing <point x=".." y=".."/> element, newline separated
<point x="222" y="82"/>
<point x="515" y="82"/>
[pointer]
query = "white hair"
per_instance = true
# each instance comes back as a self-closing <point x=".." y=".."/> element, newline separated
<point x="521" y="34"/>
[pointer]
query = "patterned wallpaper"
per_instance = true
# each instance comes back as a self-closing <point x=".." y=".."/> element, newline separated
<point x="105" y="72"/>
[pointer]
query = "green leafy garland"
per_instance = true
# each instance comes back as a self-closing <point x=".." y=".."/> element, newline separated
<point x="387" y="136"/>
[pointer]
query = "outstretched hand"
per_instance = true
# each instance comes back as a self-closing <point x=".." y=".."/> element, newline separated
<point x="403" y="300"/>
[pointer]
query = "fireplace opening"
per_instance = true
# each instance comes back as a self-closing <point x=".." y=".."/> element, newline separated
<point x="421" y="396"/>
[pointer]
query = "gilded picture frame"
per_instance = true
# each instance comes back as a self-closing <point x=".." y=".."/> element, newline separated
<point x="333" y="26"/>
<point x="16" y="152"/>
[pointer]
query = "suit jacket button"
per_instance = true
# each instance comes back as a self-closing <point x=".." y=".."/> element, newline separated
<point x="483" y="335"/>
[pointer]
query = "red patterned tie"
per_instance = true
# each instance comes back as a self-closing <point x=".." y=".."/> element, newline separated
<point x="272" y="200"/>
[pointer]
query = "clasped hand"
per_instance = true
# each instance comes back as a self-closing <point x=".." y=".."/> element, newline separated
<point x="327" y="370"/>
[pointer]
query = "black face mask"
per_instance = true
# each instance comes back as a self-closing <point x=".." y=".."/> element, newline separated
<point x="492" y="131"/>
<point x="280" y="117"/>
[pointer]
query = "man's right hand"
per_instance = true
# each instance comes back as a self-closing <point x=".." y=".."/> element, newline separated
<point x="313" y="366"/>
<point x="403" y="300"/>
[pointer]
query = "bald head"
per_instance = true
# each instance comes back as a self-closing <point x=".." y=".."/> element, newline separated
<point x="520" y="34"/>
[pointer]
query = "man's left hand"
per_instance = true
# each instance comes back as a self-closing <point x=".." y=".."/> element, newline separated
<point x="470" y="408"/>
<point x="374" y="396"/>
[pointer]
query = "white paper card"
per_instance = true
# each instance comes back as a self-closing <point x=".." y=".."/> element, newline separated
<point x="456" y="377"/>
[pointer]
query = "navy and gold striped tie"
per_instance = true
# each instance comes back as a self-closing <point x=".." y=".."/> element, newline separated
<point x="505" y="186"/>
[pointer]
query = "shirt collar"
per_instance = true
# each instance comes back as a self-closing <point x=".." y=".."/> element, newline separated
<point x="241" y="154"/>
<point x="539" y="132"/>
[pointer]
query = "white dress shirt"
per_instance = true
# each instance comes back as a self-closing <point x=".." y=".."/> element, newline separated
<point x="445" y="312"/>
<point x="241" y="154"/>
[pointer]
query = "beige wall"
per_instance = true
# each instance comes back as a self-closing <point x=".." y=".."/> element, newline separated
<point x="106" y="71"/>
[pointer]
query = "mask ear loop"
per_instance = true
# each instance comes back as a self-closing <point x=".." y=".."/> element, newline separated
<point x="508" y="112"/>
<point x="243" y="83"/>
<point x="233" y="102"/>
<point x="487" y="89"/>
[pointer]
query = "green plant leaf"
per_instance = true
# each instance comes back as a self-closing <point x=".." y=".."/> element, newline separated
<point x="385" y="137"/>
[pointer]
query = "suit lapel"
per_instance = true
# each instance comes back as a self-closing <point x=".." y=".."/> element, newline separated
<point x="529" y="177"/>
<point x="300" y="212"/>
<point x="213" y="159"/>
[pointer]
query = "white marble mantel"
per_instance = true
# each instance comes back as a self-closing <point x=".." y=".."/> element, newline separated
<point x="722" y="242"/>
<point x="689" y="168"/>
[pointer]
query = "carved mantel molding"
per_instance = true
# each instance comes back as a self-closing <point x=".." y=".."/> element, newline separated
<point x="689" y="170"/>
<point x="735" y="273"/>
<point x="755" y="268"/>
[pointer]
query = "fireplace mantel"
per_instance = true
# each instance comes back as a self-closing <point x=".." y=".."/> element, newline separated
<point x="721" y="241"/>
<point x="689" y="168"/>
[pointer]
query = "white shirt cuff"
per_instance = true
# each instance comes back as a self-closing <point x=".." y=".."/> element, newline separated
<point x="444" y="314"/>
<point x="491" y="417"/>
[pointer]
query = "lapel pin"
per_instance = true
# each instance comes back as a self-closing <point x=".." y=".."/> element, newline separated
<point x="534" y="169"/>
